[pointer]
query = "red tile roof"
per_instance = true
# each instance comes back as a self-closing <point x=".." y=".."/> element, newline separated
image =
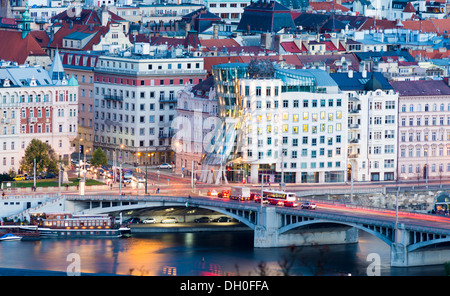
<point x="290" y="47"/>
<point x="17" y="49"/>
<point x="327" y="6"/>
<point x="65" y="30"/>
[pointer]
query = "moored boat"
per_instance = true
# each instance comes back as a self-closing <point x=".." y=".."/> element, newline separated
<point x="66" y="225"/>
<point x="10" y="237"/>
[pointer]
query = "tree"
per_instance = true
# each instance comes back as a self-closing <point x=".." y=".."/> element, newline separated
<point x="46" y="159"/>
<point x="99" y="158"/>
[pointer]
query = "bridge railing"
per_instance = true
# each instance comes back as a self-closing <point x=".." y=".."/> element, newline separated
<point x="150" y="198"/>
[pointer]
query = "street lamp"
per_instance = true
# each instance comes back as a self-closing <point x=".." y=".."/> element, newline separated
<point x="138" y="154"/>
<point x="120" y="170"/>
<point x="261" y="199"/>
<point x="79" y="155"/>
<point x="146" y="173"/>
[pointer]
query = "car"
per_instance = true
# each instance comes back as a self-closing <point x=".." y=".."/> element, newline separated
<point x="254" y="196"/>
<point x="258" y="200"/>
<point x="224" y="194"/>
<point x="212" y="193"/>
<point x="222" y="219"/>
<point x="276" y="202"/>
<point x="169" y="220"/>
<point x="203" y="220"/>
<point x="149" y="221"/>
<point x="165" y="166"/>
<point x="50" y="176"/>
<point x="290" y="204"/>
<point x="19" y="178"/>
<point x="132" y="221"/>
<point x="309" y="205"/>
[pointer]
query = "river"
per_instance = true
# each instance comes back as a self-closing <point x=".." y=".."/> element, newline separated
<point x="202" y="253"/>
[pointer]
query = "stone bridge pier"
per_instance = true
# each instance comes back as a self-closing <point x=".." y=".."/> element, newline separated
<point x="271" y="233"/>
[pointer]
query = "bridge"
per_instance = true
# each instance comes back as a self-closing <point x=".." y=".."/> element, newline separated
<point x="414" y="239"/>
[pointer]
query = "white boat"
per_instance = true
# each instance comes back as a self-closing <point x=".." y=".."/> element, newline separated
<point x="10" y="237"/>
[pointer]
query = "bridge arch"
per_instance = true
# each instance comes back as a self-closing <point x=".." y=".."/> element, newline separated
<point x="105" y="210"/>
<point x="423" y="244"/>
<point x="320" y="221"/>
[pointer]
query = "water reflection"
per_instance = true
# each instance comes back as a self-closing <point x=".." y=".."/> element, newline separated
<point x="175" y="254"/>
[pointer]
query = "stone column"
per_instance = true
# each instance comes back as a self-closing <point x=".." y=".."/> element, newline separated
<point x="399" y="252"/>
<point x="266" y="235"/>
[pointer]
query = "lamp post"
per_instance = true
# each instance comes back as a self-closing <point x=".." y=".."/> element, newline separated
<point x="138" y="154"/>
<point x="261" y="199"/>
<point x="146" y="173"/>
<point x="79" y="156"/>
<point x="120" y="170"/>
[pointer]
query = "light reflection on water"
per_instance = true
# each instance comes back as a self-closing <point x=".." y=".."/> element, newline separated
<point x="220" y="253"/>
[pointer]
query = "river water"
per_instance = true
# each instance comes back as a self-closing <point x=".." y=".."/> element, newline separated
<point x="202" y="253"/>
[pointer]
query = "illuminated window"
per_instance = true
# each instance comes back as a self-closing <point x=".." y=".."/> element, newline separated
<point x="295" y="129"/>
<point x="338" y="115"/>
<point x="285" y="116"/>
<point x="322" y="115"/>
<point x="305" y="115"/>
<point x="330" y="117"/>
<point x="269" y="129"/>
<point x="305" y="128"/>
<point x="330" y="129"/>
<point x="322" y="127"/>
<point x="314" y="117"/>
<point x="285" y="128"/>
<point x="295" y="117"/>
<point x="314" y="129"/>
<point x="269" y="117"/>
<point x="338" y="126"/>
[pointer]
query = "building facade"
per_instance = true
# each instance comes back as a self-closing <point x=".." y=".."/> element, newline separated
<point x="135" y="101"/>
<point x="196" y="115"/>
<point x="36" y="104"/>
<point x="372" y="125"/>
<point x="424" y="129"/>
<point x="290" y="125"/>
<point x="80" y="65"/>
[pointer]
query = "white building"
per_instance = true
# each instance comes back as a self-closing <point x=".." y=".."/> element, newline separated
<point x="135" y="97"/>
<point x="295" y="124"/>
<point x="424" y="129"/>
<point x="36" y="104"/>
<point x="228" y="10"/>
<point x="372" y="125"/>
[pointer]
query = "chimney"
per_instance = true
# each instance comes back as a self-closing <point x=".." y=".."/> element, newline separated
<point x="350" y="73"/>
<point x="188" y="28"/>
<point x="364" y="73"/>
<point x="215" y="31"/>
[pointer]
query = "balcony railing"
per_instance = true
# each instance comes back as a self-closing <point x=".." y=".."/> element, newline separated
<point x="113" y="97"/>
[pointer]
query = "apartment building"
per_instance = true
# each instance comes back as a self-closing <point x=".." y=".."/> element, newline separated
<point x="289" y="124"/>
<point x="295" y="124"/>
<point x="196" y="115"/>
<point x="228" y="10"/>
<point x="80" y="65"/>
<point x="36" y="104"/>
<point x="372" y="125"/>
<point x="135" y="99"/>
<point x="424" y="129"/>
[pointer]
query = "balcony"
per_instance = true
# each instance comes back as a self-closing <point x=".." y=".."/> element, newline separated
<point x="167" y="100"/>
<point x="354" y="155"/>
<point x="353" y="126"/>
<point x="353" y="141"/>
<point x="353" y="111"/>
<point x="113" y="97"/>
